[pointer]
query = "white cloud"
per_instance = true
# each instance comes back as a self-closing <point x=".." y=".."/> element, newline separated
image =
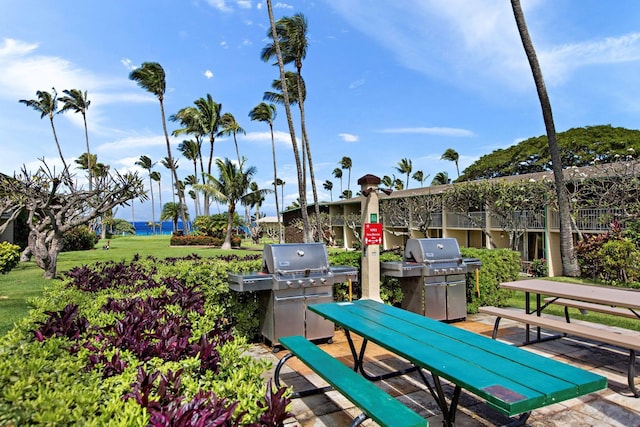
<point x="132" y="141"/>
<point x="357" y="83"/>
<point x="560" y="61"/>
<point x="128" y="64"/>
<point x="348" y="137"/>
<point x="442" y="131"/>
<point x="220" y="5"/>
<point x="208" y="74"/>
<point x="280" y="5"/>
<point x="244" y="4"/>
<point x="278" y="136"/>
<point x="224" y="44"/>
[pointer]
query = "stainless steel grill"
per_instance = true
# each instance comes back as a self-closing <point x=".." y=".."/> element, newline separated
<point x="292" y="277"/>
<point x="432" y="275"/>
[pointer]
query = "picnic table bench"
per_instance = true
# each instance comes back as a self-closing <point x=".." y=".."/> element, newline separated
<point x="615" y="301"/>
<point x="374" y="402"/>
<point x="589" y="306"/>
<point x="509" y="379"/>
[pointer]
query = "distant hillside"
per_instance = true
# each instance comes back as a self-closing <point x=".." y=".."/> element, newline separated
<point x="578" y="147"/>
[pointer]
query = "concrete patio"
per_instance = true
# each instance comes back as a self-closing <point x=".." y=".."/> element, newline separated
<point x="614" y="406"/>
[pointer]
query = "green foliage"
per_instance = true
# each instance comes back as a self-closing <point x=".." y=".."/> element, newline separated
<point x="612" y="257"/>
<point x="578" y="147"/>
<point x="498" y="265"/>
<point x="539" y="268"/>
<point x="214" y="225"/>
<point x="55" y="380"/>
<point x="120" y="227"/>
<point x="79" y="239"/>
<point x="9" y="256"/>
<point x="390" y="291"/>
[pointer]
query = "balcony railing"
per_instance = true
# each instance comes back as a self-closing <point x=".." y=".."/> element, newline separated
<point x="471" y="220"/>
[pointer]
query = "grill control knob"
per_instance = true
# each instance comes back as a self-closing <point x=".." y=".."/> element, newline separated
<point x="323" y="280"/>
<point x="312" y="281"/>
<point x="301" y="282"/>
<point x="289" y="283"/>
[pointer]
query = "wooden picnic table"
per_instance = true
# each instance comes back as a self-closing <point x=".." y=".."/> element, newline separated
<point x="512" y="380"/>
<point x="602" y="295"/>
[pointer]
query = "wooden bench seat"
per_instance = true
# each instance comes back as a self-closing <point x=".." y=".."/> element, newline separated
<point x="589" y="306"/>
<point x="373" y="401"/>
<point x="626" y="339"/>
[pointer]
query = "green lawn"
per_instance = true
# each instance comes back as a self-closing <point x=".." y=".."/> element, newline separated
<point x="26" y="280"/>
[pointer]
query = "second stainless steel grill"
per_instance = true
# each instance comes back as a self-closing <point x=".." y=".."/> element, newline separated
<point x="293" y="276"/>
<point x="432" y="275"/>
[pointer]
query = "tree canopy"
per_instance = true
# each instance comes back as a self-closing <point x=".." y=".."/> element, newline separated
<point x="578" y="147"/>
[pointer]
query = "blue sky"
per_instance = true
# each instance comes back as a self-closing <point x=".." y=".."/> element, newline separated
<point x="386" y="79"/>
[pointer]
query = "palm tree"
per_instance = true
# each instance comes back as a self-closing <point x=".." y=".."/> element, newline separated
<point x="337" y="173"/>
<point x="570" y="265"/>
<point x="230" y="187"/>
<point x="292" y="36"/>
<point x="398" y="184"/>
<point x="280" y="183"/>
<point x="192" y="180"/>
<point x="328" y="185"/>
<point x="84" y="161"/>
<point x="264" y="112"/>
<point x="231" y="127"/>
<point x="78" y="101"/>
<point x="146" y="164"/>
<point x="451" y="155"/>
<point x="151" y="77"/>
<point x="405" y="166"/>
<point x="47" y="104"/>
<point x="420" y="177"/>
<point x="171" y="164"/>
<point x="209" y="112"/>
<point x="441" y="178"/>
<point x="346" y="194"/>
<point x="287" y="106"/>
<point x="172" y="211"/>
<point x="345" y="163"/>
<point x="387" y="181"/>
<point x="155" y="176"/>
<point x="190" y="149"/>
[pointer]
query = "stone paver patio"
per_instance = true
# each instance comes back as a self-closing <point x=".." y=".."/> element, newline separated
<point x="614" y="406"/>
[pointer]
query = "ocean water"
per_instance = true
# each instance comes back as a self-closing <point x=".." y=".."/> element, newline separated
<point x="144" y="229"/>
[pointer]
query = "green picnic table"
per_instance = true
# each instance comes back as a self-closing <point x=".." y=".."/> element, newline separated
<point x="510" y="379"/>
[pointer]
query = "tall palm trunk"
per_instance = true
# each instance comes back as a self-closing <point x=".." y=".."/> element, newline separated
<point x="153" y="209"/>
<point x="55" y="137"/>
<point x="275" y="181"/>
<point x="205" y="196"/>
<point x="86" y="140"/>
<point x="287" y="106"/>
<point x="174" y="173"/>
<point x="570" y="265"/>
<point x="307" y="148"/>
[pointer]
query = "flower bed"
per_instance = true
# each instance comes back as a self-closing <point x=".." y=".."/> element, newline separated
<point x="146" y="342"/>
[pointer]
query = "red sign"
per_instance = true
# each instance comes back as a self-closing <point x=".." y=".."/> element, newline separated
<point x="372" y="234"/>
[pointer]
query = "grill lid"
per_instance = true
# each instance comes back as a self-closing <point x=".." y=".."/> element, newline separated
<point x="432" y="250"/>
<point x="292" y="258"/>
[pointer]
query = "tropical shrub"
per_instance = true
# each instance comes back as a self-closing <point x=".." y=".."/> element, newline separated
<point x="203" y="240"/>
<point x="498" y="265"/>
<point x="612" y="257"/>
<point x="539" y="267"/>
<point x="139" y="343"/>
<point x="79" y="239"/>
<point x="9" y="256"/>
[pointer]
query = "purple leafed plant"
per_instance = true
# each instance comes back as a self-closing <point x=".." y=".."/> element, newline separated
<point x="64" y="323"/>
